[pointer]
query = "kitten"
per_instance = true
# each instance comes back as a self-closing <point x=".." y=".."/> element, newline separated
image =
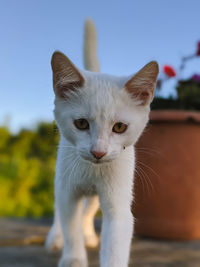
<point x="100" y="117"/>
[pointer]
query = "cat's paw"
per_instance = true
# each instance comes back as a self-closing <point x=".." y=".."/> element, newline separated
<point x="54" y="240"/>
<point x="66" y="262"/>
<point x="91" y="241"/>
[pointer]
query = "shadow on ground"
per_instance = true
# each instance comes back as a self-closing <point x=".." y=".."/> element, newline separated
<point x="21" y="245"/>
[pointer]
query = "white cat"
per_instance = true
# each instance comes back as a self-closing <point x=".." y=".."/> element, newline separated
<point x="100" y="117"/>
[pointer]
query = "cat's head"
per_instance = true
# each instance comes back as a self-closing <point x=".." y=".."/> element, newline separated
<point x="100" y="114"/>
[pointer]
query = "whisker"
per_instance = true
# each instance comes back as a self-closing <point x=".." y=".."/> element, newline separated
<point x="72" y="172"/>
<point x="148" y="167"/>
<point x="68" y="167"/>
<point x="148" y="150"/>
<point x="140" y="179"/>
<point x="61" y="146"/>
<point x="68" y="157"/>
<point x="146" y="179"/>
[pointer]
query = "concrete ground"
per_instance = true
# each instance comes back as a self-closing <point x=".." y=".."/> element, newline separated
<point x="21" y="245"/>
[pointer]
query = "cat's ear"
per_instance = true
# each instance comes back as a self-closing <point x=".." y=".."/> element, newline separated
<point x="141" y="85"/>
<point x="65" y="75"/>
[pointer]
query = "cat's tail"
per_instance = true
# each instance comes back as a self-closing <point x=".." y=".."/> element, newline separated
<point x="91" y="61"/>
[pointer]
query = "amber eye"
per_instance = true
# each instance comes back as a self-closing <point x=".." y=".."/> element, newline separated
<point x="119" y="127"/>
<point x="81" y="124"/>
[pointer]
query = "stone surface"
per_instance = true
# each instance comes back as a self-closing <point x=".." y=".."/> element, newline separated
<point x="21" y="245"/>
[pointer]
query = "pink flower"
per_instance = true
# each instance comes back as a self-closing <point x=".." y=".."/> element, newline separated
<point x="169" y="71"/>
<point x="196" y="78"/>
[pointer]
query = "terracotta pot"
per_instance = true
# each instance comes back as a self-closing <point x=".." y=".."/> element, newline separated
<point x="167" y="184"/>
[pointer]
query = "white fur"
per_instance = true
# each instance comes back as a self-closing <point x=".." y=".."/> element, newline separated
<point x="91" y="61"/>
<point x="103" y="101"/>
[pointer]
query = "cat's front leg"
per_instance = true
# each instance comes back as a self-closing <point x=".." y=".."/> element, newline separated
<point x="91" y="206"/>
<point x="54" y="240"/>
<point x="70" y="212"/>
<point x="117" y="229"/>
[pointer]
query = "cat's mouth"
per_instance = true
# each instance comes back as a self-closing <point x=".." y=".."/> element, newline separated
<point x="96" y="161"/>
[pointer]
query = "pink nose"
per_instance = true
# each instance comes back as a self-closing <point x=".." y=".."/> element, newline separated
<point x="98" y="154"/>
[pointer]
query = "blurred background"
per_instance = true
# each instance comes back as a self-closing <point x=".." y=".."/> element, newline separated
<point x="167" y="181"/>
<point x="130" y="33"/>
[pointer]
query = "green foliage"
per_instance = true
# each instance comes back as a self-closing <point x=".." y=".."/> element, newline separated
<point x="175" y="104"/>
<point x="189" y="90"/>
<point x="27" y="167"/>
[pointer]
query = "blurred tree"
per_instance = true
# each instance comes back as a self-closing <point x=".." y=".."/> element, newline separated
<point x="27" y="164"/>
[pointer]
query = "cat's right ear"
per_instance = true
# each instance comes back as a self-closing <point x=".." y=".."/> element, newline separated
<point x="65" y="75"/>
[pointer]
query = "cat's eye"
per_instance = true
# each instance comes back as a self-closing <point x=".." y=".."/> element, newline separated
<point x="81" y="124"/>
<point x="119" y="127"/>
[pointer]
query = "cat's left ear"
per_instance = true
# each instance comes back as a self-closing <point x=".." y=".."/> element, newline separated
<point x="65" y="75"/>
<point x="141" y="85"/>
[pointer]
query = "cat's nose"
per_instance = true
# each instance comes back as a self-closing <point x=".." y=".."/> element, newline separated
<point x="98" y="154"/>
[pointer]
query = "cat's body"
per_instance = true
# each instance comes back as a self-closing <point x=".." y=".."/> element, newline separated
<point x="100" y="117"/>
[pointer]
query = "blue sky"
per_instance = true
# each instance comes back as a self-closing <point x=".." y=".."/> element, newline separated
<point x="130" y="33"/>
